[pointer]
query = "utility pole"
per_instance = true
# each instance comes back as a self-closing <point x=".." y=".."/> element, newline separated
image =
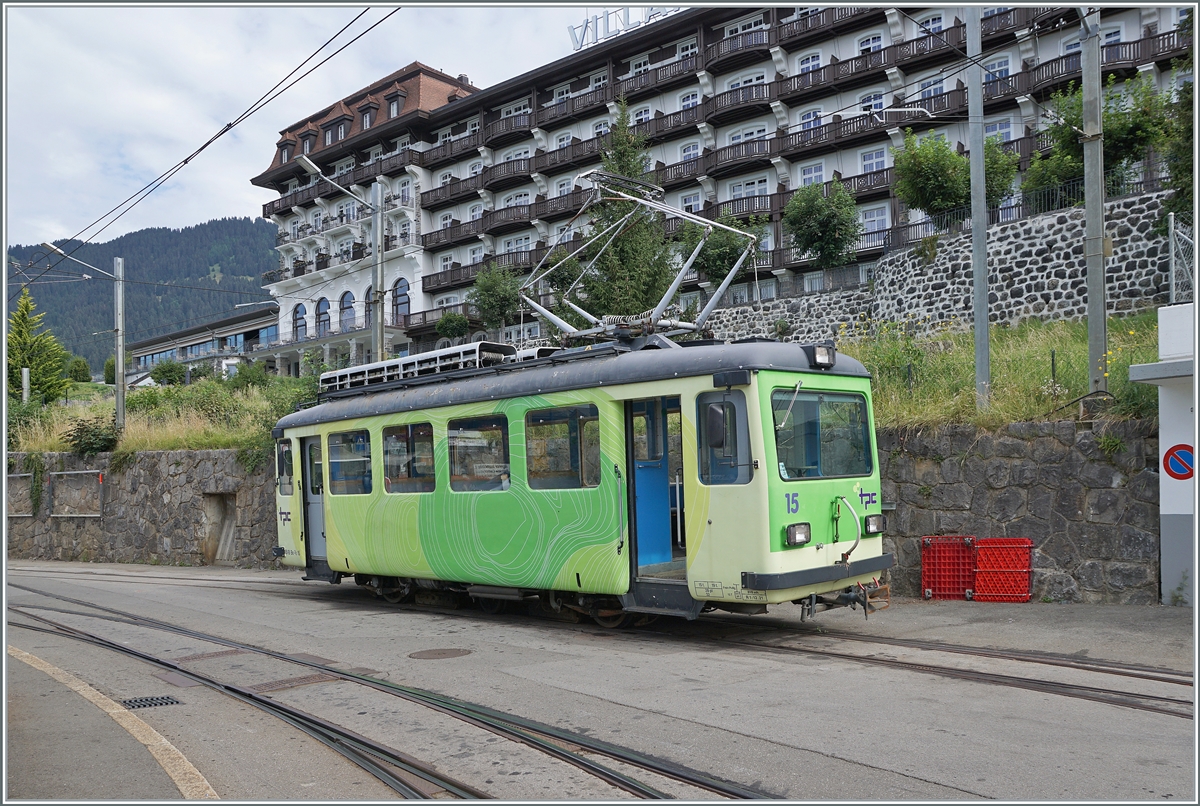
<point x="1093" y="198"/>
<point x="377" y="342"/>
<point x="979" y="212"/>
<point x="119" y="302"/>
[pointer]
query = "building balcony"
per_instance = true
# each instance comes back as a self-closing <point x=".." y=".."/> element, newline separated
<point x="1003" y="90"/>
<point x="391" y="242"/>
<point x="1006" y="22"/>
<point x="508" y="174"/>
<point x="739" y="104"/>
<point x="661" y="128"/>
<point x="735" y="51"/>
<point x="1121" y="58"/>
<point x="763" y="205"/>
<point x="296" y="198"/>
<point x="592" y="102"/>
<point x="579" y="153"/>
<point x="658" y="79"/>
<point x="426" y="321"/>
<point x="560" y="206"/>
<point x="455" y="191"/>
<point x="738" y="157"/>
<point x="507" y="219"/>
<point x="918" y="52"/>
<point x="508" y="130"/>
<point x="451" y="150"/>
<point x="396" y="164"/>
<point x="452" y="235"/>
<point x="685" y="172"/>
<point x="793" y="34"/>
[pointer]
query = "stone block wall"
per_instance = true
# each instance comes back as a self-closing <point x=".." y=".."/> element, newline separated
<point x="1086" y="495"/>
<point x="167" y="507"/>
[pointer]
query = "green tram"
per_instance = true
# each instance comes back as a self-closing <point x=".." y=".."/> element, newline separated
<point x="636" y="477"/>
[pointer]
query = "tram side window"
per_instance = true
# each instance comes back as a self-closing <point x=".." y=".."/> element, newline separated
<point x="283" y="466"/>
<point x="821" y="435"/>
<point x="562" y="448"/>
<point x="647" y="430"/>
<point x="408" y="459"/>
<point x="350" y="463"/>
<point x="478" y="453"/>
<point x="723" y="436"/>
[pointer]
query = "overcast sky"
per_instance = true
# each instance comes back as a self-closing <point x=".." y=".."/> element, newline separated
<point x="101" y="100"/>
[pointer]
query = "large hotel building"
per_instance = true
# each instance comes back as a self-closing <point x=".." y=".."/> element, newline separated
<point x="740" y="106"/>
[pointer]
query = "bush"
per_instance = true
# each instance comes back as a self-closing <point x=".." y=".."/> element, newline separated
<point x="247" y="375"/>
<point x="168" y="373"/>
<point x="90" y="437"/>
<point x="78" y="370"/>
<point x="110" y="371"/>
<point x="453" y="326"/>
<point x="21" y="416"/>
<point x="201" y="371"/>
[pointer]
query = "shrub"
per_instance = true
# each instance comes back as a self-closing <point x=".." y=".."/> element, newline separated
<point x="78" y="370"/>
<point x="110" y="371"/>
<point x="90" y="437"/>
<point x="168" y="373"/>
<point x="453" y="326"/>
<point x="247" y="375"/>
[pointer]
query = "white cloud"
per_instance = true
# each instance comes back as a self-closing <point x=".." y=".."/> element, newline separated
<point x="99" y="101"/>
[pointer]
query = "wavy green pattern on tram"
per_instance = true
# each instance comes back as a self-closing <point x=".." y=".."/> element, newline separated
<point x="517" y="538"/>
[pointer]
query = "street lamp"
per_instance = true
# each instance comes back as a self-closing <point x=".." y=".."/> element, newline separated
<point x="376" y="206"/>
<point x="118" y="276"/>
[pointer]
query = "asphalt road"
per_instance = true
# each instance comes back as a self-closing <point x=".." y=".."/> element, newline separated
<point x="792" y="725"/>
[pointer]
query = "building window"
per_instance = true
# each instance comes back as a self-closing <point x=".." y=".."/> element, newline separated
<point x="446" y="262"/>
<point x="600" y="128"/>
<point x="518" y="244"/>
<point x="563" y="140"/>
<point x="931" y="88"/>
<point x="444" y="136"/>
<point x="404" y="191"/>
<point x="341" y="131"/>
<point x="393" y="108"/>
<point x="748" y="187"/>
<point x="871" y="102"/>
<point x="766" y="288"/>
<point x="519" y="108"/>
<point x="641" y="115"/>
<point x="874" y="221"/>
<point x="561" y="94"/>
<point x="810" y="119"/>
<point x="755" y="132"/>
<point x="809" y="63"/>
<point x="475" y="254"/>
<point x="446" y="220"/>
<point x="685" y="49"/>
<point x="299" y="324"/>
<point x="599" y="80"/>
<point x="476" y="169"/>
<point x="690" y="202"/>
<point x="317" y="221"/>
<point x="814" y="282"/>
<point x="478" y="453"/>
<point x="873" y="160"/>
<point x="1000" y="128"/>
<point x="472" y="125"/>
<point x="346" y="312"/>
<point x="446" y="178"/>
<point x="689" y="151"/>
<point x="639" y="65"/>
<point x="514" y="199"/>
<point x="563" y="187"/>
<point x="307" y="144"/>
<point x="931" y="25"/>
<point x="399" y="301"/>
<point x="295" y="228"/>
<point x="322" y="317"/>
<point x="739" y="294"/>
<point x="688" y="100"/>
<point x="328" y="136"/>
<point x="812" y="174"/>
<point x="996" y="69"/>
<point x="446" y="301"/>
<point x="748" y="80"/>
<point x="283" y="155"/>
<point x="741" y="27"/>
<point x="366" y="120"/>
<point x="476" y="212"/>
<point x="870" y="44"/>
<point x="517" y="154"/>
<point x="991" y="12"/>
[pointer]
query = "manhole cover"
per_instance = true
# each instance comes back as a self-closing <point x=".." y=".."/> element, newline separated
<point x="438" y="654"/>
<point x="148" y="702"/>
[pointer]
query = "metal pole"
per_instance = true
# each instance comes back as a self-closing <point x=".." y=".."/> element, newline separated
<point x="24" y="384"/>
<point x="979" y="212"/>
<point x="119" y="300"/>
<point x="1093" y="196"/>
<point x="1171" y="253"/>
<point x="377" y="237"/>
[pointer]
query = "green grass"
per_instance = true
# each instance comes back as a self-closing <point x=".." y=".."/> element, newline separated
<point x="1022" y="389"/>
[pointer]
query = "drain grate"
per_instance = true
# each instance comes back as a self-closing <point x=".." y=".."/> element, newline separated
<point x="149" y="702"/>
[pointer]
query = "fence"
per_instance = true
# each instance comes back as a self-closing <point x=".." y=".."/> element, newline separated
<point x="1182" y="256"/>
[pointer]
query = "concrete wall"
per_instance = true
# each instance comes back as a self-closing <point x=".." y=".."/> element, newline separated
<point x="1093" y="517"/>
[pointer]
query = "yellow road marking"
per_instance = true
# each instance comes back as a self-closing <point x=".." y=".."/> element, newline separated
<point x="192" y="784"/>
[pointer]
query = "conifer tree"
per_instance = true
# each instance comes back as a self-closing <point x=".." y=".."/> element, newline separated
<point x="31" y="346"/>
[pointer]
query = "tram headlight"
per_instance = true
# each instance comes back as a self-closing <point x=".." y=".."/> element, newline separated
<point x="798" y="534"/>
<point x="874" y="524"/>
<point x="824" y="355"/>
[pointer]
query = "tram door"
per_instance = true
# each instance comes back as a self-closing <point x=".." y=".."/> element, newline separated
<point x="650" y="462"/>
<point x="314" y="512"/>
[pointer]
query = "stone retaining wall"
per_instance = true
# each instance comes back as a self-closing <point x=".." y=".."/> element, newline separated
<point x="1092" y="514"/>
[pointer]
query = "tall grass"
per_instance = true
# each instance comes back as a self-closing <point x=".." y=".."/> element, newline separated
<point x="930" y="380"/>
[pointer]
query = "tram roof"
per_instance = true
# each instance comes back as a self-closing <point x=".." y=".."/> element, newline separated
<point x="605" y="365"/>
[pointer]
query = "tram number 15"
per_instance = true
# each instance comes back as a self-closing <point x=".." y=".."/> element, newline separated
<point x="793" y="502"/>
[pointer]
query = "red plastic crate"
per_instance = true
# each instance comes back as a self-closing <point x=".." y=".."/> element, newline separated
<point x="1003" y="569"/>
<point x="1003" y="554"/>
<point x="948" y="566"/>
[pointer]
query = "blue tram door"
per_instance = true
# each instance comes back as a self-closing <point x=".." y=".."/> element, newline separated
<point x="649" y="459"/>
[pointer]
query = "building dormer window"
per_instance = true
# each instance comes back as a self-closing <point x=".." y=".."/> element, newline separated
<point x="329" y="137"/>
<point x="307" y="144"/>
<point x="366" y="120"/>
<point x="393" y="108"/>
<point x="283" y="155"/>
<point x="341" y="131"/>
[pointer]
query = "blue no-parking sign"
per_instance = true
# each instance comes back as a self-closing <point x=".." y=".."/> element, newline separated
<point x="1179" y="462"/>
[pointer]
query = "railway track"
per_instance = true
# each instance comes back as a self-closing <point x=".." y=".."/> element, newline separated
<point x="408" y="776"/>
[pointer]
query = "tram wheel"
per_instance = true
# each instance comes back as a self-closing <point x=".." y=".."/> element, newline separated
<point x="396" y="595"/>
<point x="612" y="622"/>
<point x="493" y="607"/>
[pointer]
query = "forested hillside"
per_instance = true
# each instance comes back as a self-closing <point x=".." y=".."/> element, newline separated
<point x="173" y="278"/>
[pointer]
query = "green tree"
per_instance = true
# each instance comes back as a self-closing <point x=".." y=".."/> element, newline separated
<point x="168" y="373"/>
<point x="1181" y="121"/>
<point x="497" y="295"/>
<point x="723" y="248"/>
<point x="932" y="177"/>
<point x="202" y="370"/>
<point x="247" y="375"/>
<point x="78" y="370"/>
<point x="31" y="346"/>
<point x="634" y="272"/>
<point x="825" y="227"/>
<point x="453" y="326"/>
<point x="110" y="370"/>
